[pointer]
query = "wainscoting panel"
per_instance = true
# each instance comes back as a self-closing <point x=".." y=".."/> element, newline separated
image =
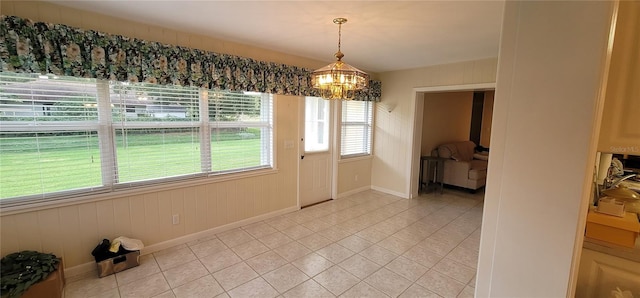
<point x="50" y="230"/>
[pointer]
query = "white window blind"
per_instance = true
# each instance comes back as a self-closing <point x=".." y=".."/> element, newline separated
<point x="156" y="131"/>
<point x="316" y="124"/>
<point x="241" y="130"/>
<point x="48" y="135"/>
<point x="69" y="136"/>
<point x="356" y="128"/>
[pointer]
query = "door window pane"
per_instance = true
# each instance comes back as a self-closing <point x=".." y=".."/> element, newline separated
<point x="316" y="124"/>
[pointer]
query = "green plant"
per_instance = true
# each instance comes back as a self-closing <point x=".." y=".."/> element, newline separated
<point x="22" y="269"/>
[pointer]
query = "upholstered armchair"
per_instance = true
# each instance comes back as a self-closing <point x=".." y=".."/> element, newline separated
<point x="461" y="168"/>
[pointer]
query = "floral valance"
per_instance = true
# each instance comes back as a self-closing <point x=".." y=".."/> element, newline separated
<point x="38" y="47"/>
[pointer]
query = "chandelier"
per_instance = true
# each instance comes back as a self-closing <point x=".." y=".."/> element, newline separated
<point x="339" y="80"/>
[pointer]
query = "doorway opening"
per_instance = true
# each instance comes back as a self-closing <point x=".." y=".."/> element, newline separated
<point x="423" y="145"/>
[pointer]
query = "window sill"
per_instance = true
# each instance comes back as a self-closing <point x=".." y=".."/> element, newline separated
<point x="119" y="193"/>
<point x="355" y="158"/>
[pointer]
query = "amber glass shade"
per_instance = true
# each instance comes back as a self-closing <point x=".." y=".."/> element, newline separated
<point x="339" y="81"/>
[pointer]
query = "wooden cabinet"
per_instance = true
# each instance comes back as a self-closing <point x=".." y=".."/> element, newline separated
<point x="600" y="274"/>
<point x="620" y="129"/>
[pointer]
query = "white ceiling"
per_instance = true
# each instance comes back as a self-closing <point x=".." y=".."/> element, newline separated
<point x="379" y="35"/>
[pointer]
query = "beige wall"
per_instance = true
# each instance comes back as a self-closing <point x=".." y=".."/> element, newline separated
<point x="347" y="172"/>
<point x="446" y="118"/>
<point x="542" y="146"/>
<point x="487" y="114"/>
<point x="393" y="140"/>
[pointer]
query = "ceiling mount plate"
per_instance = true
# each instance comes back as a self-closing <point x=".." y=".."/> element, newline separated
<point x="339" y="21"/>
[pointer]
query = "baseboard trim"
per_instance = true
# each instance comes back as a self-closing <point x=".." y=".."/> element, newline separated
<point x="353" y="191"/>
<point x="86" y="269"/>
<point x="391" y="192"/>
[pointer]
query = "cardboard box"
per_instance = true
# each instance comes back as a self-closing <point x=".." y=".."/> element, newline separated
<point x="621" y="231"/>
<point x="119" y="263"/>
<point x="51" y="286"/>
<point x="611" y="206"/>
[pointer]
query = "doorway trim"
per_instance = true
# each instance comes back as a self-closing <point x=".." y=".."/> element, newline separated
<point x="415" y="117"/>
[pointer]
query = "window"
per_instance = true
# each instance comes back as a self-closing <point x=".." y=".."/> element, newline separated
<point x="160" y="139"/>
<point x="240" y="129"/>
<point x="62" y="136"/>
<point x="48" y="135"/>
<point x="356" y="128"/>
<point x="316" y="124"/>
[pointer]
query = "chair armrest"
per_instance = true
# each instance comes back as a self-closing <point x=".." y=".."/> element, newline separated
<point x="456" y="172"/>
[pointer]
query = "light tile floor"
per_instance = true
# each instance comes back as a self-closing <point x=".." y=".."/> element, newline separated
<point x="366" y="245"/>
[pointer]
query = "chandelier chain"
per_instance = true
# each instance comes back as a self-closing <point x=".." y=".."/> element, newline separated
<point x="339" y="36"/>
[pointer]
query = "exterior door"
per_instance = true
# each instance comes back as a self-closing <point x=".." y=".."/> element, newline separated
<point x="316" y="151"/>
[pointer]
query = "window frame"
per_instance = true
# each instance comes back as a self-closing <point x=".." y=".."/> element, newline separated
<point x="368" y="131"/>
<point x="123" y="126"/>
<point x="105" y="127"/>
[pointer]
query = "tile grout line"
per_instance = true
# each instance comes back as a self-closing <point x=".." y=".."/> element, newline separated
<point x="379" y="209"/>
